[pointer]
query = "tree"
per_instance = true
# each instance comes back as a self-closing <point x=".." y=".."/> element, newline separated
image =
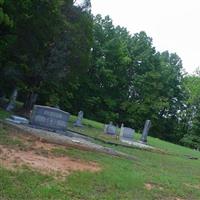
<point x="4" y="18"/>
<point x="128" y="81"/>
<point x="6" y="23"/>
<point x="50" y="43"/>
<point x="191" y="137"/>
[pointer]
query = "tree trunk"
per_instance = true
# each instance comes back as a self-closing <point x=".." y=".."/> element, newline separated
<point x="30" y="101"/>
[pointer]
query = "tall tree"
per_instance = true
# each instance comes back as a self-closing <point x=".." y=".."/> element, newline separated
<point x="51" y="40"/>
<point x="192" y="112"/>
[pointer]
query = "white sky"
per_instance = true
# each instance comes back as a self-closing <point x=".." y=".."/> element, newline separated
<point x="174" y="25"/>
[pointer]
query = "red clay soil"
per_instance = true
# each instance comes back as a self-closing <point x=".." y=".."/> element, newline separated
<point x="12" y="159"/>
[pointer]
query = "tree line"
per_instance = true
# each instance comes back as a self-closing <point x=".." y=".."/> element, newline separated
<point x="56" y="53"/>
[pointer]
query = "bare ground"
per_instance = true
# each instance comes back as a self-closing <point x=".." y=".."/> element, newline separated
<point x="33" y="157"/>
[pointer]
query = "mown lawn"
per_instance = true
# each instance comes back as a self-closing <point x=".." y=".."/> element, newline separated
<point x="155" y="175"/>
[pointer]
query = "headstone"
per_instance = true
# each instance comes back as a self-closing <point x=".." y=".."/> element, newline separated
<point x="110" y="129"/>
<point x="17" y="119"/>
<point x="145" y="131"/>
<point x="126" y="134"/>
<point x="49" y="118"/>
<point x="12" y="102"/>
<point x="78" y="122"/>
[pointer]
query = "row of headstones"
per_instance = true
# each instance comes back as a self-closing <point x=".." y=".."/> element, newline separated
<point x="49" y="118"/>
<point x="126" y="134"/>
<point x="53" y="117"/>
<point x="52" y="122"/>
<point x="56" y="119"/>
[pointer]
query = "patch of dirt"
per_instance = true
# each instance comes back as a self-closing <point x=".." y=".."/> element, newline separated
<point x="43" y="145"/>
<point x="192" y="186"/>
<point x="151" y="186"/>
<point x="173" y="198"/>
<point x="11" y="158"/>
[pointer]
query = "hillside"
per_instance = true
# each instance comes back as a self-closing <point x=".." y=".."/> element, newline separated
<point x="34" y="169"/>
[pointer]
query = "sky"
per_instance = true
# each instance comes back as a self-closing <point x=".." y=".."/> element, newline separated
<point x="174" y="25"/>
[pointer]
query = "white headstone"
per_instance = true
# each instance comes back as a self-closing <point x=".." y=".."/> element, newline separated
<point x="78" y="122"/>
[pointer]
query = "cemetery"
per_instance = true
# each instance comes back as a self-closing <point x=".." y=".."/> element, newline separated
<point x="55" y="120"/>
<point x="93" y="142"/>
<point x="93" y="110"/>
<point x="62" y="143"/>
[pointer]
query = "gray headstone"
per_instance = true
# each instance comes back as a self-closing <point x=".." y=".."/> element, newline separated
<point x="145" y="131"/>
<point x="126" y="134"/>
<point x="78" y="122"/>
<point x="110" y="129"/>
<point x="49" y="118"/>
<point x="12" y="102"/>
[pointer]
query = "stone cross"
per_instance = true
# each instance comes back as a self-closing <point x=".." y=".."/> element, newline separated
<point x="145" y="131"/>
<point x="78" y="122"/>
<point x="110" y="129"/>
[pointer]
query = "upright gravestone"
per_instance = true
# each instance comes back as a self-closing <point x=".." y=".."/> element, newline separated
<point x="49" y="118"/>
<point x="12" y="102"/>
<point x="110" y="129"/>
<point x="78" y="122"/>
<point x="126" y="134"/>
<point x="145" y="131"/>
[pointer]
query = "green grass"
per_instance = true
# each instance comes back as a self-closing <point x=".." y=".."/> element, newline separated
<point x="9" y="141"/>
<point x="93" y="129"/>
<point x="4" y="114"/>
<point x="87" y="122"/>
<point x="171" y="175"/>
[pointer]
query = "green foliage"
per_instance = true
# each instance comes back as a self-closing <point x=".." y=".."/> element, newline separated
<point x="4" y="114"/>
<point x="128" y="81"/>
<point x="57" y="51"/>
<point x="53" y="100"/>
<point x="50" y="42"/>
<point x="192" y="112"/>
<point x="4" y="18"/>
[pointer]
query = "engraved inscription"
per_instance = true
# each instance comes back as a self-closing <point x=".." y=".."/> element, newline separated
<point x="39" y="118"/>
<point x="53" y="114"/>
<point x="50" y="118"/>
